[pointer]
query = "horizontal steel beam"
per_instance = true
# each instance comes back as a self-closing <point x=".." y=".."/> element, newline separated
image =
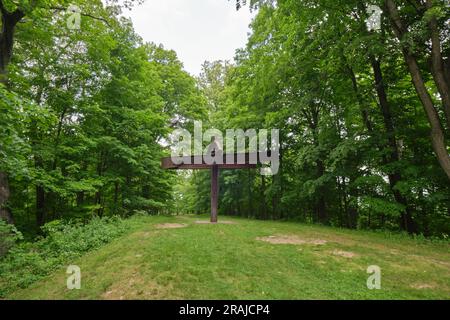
<point x="198" y="162"/>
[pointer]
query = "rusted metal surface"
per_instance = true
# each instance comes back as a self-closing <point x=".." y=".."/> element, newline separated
<point x="198" y="162"/>
<point x="214" y="192"/>
<point x="230" y="161"/>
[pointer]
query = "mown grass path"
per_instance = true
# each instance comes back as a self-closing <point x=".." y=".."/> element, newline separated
<point x="227" y="261"/>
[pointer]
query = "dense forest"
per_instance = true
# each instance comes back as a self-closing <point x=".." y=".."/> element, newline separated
<point x="364" y="115"/>
<point x="82" y="115"/>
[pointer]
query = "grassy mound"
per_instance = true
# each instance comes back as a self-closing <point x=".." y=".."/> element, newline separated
<point x="246" y="259"/>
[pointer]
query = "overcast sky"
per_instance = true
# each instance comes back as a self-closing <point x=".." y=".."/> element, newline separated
<point x="197" y="30"/>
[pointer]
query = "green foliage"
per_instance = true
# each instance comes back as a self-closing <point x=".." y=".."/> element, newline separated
<point x="28" y="262"/>
<point x="9" y="236"/>
<point x="84" y="116"/>
<point x="347" y="160"/>
<point x="87" y="114"/>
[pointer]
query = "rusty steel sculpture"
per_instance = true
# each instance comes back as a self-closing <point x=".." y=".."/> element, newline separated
<point x="224" y="162"/>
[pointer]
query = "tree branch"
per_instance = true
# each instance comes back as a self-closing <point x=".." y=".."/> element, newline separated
<point x="16" y="15"/>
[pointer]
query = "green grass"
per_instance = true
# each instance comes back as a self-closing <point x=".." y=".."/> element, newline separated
<point x="228" y="262"/>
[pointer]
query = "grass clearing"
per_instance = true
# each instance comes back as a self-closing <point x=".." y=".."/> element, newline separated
<point x="227" y="261"/>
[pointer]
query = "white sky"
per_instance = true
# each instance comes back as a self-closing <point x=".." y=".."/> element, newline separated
<point x="198" y="30"/>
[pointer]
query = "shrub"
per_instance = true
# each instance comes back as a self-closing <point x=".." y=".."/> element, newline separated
<point x="28" y="262"/>
<point x="9" y="235"/>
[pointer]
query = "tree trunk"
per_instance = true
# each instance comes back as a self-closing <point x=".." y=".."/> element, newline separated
<point x="438" y="65"/>
<point x="251" y="213"/>
<point x="98" y="201"/>
<point x="5" y="213"/>
<point x="40" y="206"/>
<point x="362" y="107"/>
<point x="116" y="195"/>
<point x="80" y="199"/>
<point x="321" y="205"/>
<point x="9" y="22"/>
<point x="437" y="132"/>
<point x="394" y="177"/>
<point x="41" y="197"/>
<point x="263" y="208"/>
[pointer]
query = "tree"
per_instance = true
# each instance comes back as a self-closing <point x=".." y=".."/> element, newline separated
<point x="428" y="12"/>
<point x="351" y="130"/>
<point x="104" y="101"/>
<point x="11" y="13"/>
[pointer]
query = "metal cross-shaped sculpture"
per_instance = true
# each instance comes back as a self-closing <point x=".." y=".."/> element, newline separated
<point x="229" y="161"/>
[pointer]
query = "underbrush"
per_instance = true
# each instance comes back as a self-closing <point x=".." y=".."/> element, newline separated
<point x="23" y="263"/>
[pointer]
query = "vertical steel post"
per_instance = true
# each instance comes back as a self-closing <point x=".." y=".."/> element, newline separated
<point x="214" y="192"/>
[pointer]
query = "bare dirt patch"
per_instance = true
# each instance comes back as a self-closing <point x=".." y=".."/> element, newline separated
<point x="345" y="254"/>
<point x="421" y="286"/>
<point x="171" y="225"/>
<point x="219" y="222"/>
<point x="290" y="239"/>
